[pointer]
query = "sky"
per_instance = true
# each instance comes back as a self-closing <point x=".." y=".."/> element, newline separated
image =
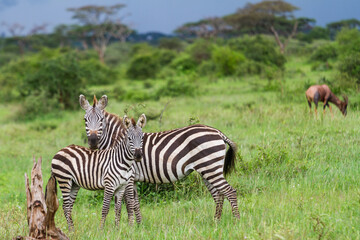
<point x="161" y="15"/>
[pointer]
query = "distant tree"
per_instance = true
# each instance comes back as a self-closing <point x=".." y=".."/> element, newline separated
<point x="101" y="24"/>
<point x="16" y="31"/>
<point x="171" y="44"/>
<point x="206" y="28"/>
<point x="335" y="27"/>
<point x="274" y="17"/>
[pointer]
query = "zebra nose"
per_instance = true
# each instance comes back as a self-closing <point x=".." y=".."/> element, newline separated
<point x="93" y="140"/>
<point x="138" y="154"/>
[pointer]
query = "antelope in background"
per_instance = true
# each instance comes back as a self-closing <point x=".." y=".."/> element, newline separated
<point x="323" y="94"/>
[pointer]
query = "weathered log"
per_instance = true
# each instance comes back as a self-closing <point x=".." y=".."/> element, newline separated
<point x="41" y="211"/>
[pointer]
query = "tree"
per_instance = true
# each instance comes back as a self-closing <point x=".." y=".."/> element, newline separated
<point x="274" y="17"/>
<point x="205" y="28"/>
<point x="100" y="24"/>
<point x="335" y="27"/>
<point x="16" y="32"/>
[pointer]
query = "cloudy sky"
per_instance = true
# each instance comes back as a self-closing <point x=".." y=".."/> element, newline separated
<point x="162" y="15"/>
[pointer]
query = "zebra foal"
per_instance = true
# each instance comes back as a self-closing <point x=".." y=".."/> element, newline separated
<point x="76" y="167"/>
<point x="172" y="155"/>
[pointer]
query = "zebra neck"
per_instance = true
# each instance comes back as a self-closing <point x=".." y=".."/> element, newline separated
<point x="123" y="153"/>
<point x="113" y="132"/>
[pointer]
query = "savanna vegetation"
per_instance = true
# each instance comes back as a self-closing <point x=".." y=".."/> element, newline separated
<point x="297" y="176"/>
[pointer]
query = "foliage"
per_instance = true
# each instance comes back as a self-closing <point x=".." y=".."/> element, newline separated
<point x="259" y="49"/>
<point x="117" y="53"/>
<point x="226" y="60"/>
<point x="177" y="86"/>
<point x="200" y="50"/>
<point x="350" y="65"/>
<point x="314" y="34"/>
<point x="174" y="44"/>
<point x="348" y="41"/>
<point x="324" y="52"/>
<point x="184" y="63"/>
<point x="164" y="56"/>
<point x="142" y="67"/>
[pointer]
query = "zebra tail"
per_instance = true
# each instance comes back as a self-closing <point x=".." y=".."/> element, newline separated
<point x="51" y="180"/>
<point x="230" y="156"/>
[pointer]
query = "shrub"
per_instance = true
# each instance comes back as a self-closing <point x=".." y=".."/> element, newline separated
<point x="226" y="60"/>
<point x="350" y="65"/>
<point x="324" y="53"/>
<point x="174" y="44"/>
<point x="164" y="56"/>
<point x="177" y="87"/>
<point x="315" y="33"/>
<point x="258" y="49"/>
<point x="142" y="67"/>
<point x="207" y="68"/>
<point x="117" y="53"/>
<point x="61" y="78"/>
<point x="140" y="49"/>
<point x="200" y="50"/>
<point x="184" y="63"/>
<point x="348" y="41"/>
<point x="96" y="72"/>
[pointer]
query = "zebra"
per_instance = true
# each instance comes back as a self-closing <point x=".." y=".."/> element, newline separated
<point x="76" y="167"/>
<point x="172" y="155"/>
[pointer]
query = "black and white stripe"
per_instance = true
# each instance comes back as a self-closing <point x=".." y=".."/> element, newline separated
<point x="76" y="167"/>
<point x="171" y="155"/>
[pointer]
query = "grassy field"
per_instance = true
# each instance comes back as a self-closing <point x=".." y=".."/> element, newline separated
<point x="297" y="177"/>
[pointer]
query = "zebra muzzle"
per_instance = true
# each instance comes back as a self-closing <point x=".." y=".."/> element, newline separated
<point x="138" y="155"/>
<point x="93" y="141"/>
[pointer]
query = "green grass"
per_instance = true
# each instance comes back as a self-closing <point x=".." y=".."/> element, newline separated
<point x="296" y="177"/>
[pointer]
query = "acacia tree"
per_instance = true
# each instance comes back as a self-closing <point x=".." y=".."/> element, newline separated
<point x="206" y="28"/>
<point x="274" y="17"/>
<point x="100" y="23"/>
<point x="16" y="31"/>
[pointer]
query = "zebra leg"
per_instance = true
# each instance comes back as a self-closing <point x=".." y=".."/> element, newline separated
<point x="137" y="205"/>
<point x="69" y="192"/>
<point x="117" y="209"/>
<point x="218" y="198"/>
<point x="129" y="201"/>
<point x="108" y="193"/>
<point x="224" y="188"/>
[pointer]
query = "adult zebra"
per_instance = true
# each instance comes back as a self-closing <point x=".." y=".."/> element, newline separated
<point x="111" y="169"/>
<point x="171" y="155"/>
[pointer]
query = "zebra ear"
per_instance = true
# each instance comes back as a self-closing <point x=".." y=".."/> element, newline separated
<point x="126" y="121"/>
<point x="84" y="104"/>
<point x="102" y="103"/>
<point x="142" y="121"/>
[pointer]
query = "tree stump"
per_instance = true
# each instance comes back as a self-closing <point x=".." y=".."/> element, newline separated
<point x="41" y="209"/>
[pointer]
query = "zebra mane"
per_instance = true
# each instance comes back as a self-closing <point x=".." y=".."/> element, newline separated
<point x="121" y="130"/>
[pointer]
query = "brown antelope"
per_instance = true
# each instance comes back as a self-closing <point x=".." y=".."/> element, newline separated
<point x="323" y="94"/>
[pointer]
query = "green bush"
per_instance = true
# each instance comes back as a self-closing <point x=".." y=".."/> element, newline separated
<point x="96" y="72"/>
<point x="164" y="56"/>
<point x="142" y="67"/>
<point x="62" y="78"/>
<point x="315" y="33"/>
<point x="207" y="68"/>
<point x="259" y="49"/>
<point x="350" y="65"/>
<point x="174" y="44"/>
<point x="200" y="50"/>
<point x="117" y="53"/>
<point x="177" y="87"/>
<point x="184" y="63"/>
<point x="348" y="41"/>
<point x="324" y="53"/>
<point x="226" y="60"/>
